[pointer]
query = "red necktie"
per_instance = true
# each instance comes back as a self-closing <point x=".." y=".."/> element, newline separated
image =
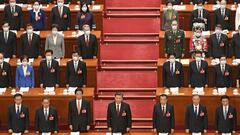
<point x="118" y="109"/>
<point x="29" y="40"/>
<point x="87" y="40"/>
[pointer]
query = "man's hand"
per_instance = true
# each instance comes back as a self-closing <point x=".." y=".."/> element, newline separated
<point x="110" y="129"/>
<point x="154" y="130"/>
<point x="128" y="129"/>
<point x="189" y="85"/>
<point x="26" y="131"/>
<point x="182" y="55"/>
<point x="57" y="85"/>
<point x="67" y="85"/>
<point x="39" y="56"/>
<point x="70" y="127"/>
<point x="94" y="57"/>
<point x="84" y="86"/>
<point x="37" y="132"/>
<point x="216" y="132"/>
<point x="172" y="130"/>
<point x="55" y="132"/>
<point x="88" y="127"/>
<point x="10" y="131"/>
<point x="187" y="130"/>
<point x="206" y="85"/>
<point x="166" y="55"/>
<point x="13" y="56"/>
<point x="205" y="131"/>
<point x="22" y="29"/>
<point x="233" y="132"/>
<point x="41" y="85"/>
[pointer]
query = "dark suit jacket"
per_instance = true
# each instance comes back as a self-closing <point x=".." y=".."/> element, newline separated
<point x="196" y="1"/>
<point x="18" y="123"/>
<point x="62" y="22"/>
<point x="206" y="15"/>
<point x="22" y="1"/>
<point x="39" y="24"/>
<point x="82" y="120"/>
<point x="5" y="75"/>
<point x="15" y="22"/>
<point x="198" y="78"/>
<point x="33" y="50"/>
<point x="163" y="122"/>
<point x="214" y="48"/>
<point x="76" y="78"/>
<point x="223" y="20"/>
<point x="49" y="125"/>
<point x="236" y="45"/>
<point x="172" y="80"/>
<point x="226" y="125"/>
<point x="223" y="80"/>
<point x="198" y="123"/>
<point x="87" y="51"/>
<point x="49" y="77"/>
<point x="8" y="48"/>
<point x="119" y="123"/>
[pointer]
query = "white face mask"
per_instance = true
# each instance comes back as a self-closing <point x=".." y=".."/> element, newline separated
<point x="172" y="60"/>
<point x="29" y="31"/>
<point x="49" y="57"/>
<point x="36" y="7"/>
<point x="223" y="62"/>
<point x="60" y="4"/>
<point x="169" y="7"/>
<point x="1" y="61"/>
<point x="200" y="7"/>
<point x="174" y="27"/>
<point x="223" y="6"/>
<point x="198" y="34"/>
<point x="218" y="31"/>
<point x="12" y="4"/>
<point x="54" y="32"/>
<point x="198" y="58"/>
<point x="84" y="9"/>
<point x="5" y="29"/>
<point x="75" y="58"/>
<point x="87" y="32"/>
<point x="24" y="63"/>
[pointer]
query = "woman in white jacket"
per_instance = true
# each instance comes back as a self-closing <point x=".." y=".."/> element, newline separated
<point x="237" y="17"/>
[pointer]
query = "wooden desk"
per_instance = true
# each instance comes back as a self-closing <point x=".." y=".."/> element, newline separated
<point x="188" y="35"/>
<point x="33" y="100"/>
<point x="91" y="71"/>
<point x="185" y="16"/>
<point x="71" y="41"/>
<point x="186" y="72"/>
<point x="211" y="101"/>
<point x="74" y="11"/>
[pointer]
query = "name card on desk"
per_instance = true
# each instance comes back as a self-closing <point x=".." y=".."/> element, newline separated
<point x="75" y="133"/>
<point x="24" y="89"/>
<point x="196" y="133"/>
<point x="222" y="90"/>
<point x="31" y="60"/>
<point x="72" y="89"/>
<point x="49" y="89"/>
<point x="116" y="133"/>
<point x="174" y="90"/>
<point x="96" y="7"/>
<point x="2" y="90"/>
<point x="216" y="7"/>
<point x="6" y="60"/>
<point x="2" y="6"/>
<point x="43" y="6"/>
<point x="14" y="31"/>
<point x="61" y="33"/>
<point x="163" y="134"/>
<point x="226" y="133"/>
<point x="206" y="33"/>
<point x="185" y="61"/>
<point x="46" y="133"/>
<point x="179" y="7"/>
<point x="16" y="133"/>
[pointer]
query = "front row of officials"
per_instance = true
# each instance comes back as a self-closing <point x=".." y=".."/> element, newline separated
<point x="119" y="118"/>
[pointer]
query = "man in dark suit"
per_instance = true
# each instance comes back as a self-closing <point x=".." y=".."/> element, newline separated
<point x="8" y="42"/>
<point x="226" y="117"/>
<point x="172" y="73"/>
<point x="163" y="116"/>
<point x="13" y="15"/>
<point x="60" y="15"/>
<point x="76" y="73"/>
<point x="200" y="14"/>
<point x="218" y="43"/>
<point x="222" y="74"/>
<point x="119" y="116"/>
<point x="87" y="44"/>
<point x="18" y="116"/>
<point x="198" y="72"/>
<point x="49" y="73"/>
<point x="194" y="2"/>
<point x="174" y="41"/>
<point x="5" y="73"/>
<point x="79" y="115"/>
<point x="223" y="16"/>
<point x="196" y="118"/>
<point x="30" y="43"/>
<point x="46" y="118"/>
<point x="236" y="44"/>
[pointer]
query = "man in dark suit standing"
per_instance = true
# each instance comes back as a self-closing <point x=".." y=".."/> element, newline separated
<point x="163" y="116"/>
<point x="46" y="118"/>
<point x="13" y="15"/>
<point x="201" y="14"/>
<point x="222" y="74"/>
<point x="236" y="44"/>
<point x="226" y="117"/>
<point x="79" y="114"/>
<point x="18" y="116"/>
<point x="49" y="73"/>
<point x="196" y="118"/>
<point x="172" y="72"/>
<point x="5" y="73"/>
<point x="198" y="72"/>
<point x="87" y="44"/>
<point x="76" y="73"/>
<point x="8" y="41"/>
<point x="30" y="43"/>
<point x="60" y="15"/>
<point x="223" y="16"/>
<point x="119" y="116"/>
<point x="218" y="43"/>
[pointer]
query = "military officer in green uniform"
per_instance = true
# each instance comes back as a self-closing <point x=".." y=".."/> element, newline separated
<point x="174" y="41"/>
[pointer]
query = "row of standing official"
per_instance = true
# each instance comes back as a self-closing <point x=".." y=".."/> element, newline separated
<point x="119" y="117"/>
